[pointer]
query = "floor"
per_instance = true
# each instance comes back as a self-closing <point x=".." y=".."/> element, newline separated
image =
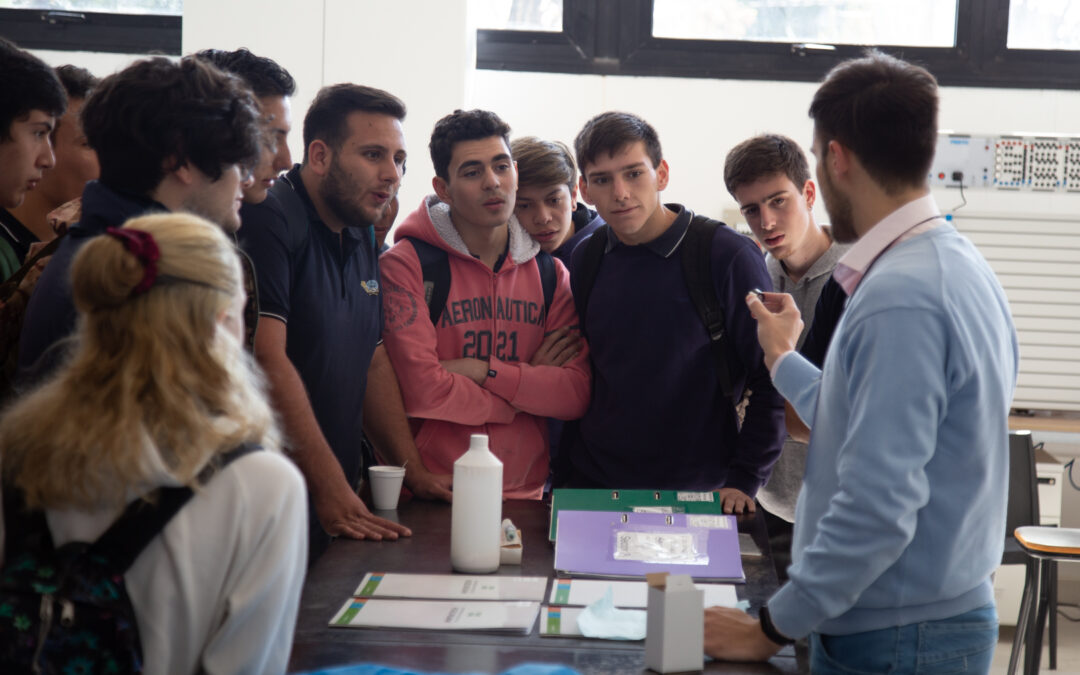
<point x="1068" y="648"/>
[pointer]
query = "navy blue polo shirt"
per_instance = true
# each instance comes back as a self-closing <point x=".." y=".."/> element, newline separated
<point x="658" y="417"/>
<point x="325" y="287"/>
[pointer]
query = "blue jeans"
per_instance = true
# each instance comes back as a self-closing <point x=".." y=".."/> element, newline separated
<point x="961" y="644"/>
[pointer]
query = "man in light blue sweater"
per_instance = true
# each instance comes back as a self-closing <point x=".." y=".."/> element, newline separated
<point x="901" y="518"/>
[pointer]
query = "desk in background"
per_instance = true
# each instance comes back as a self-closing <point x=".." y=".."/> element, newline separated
<point x="337" y="573"/>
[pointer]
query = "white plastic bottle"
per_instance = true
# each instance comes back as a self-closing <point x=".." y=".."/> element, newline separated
<point x="476" y="510"/>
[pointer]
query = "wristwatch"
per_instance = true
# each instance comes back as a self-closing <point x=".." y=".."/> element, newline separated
<point x="769" y="629"/>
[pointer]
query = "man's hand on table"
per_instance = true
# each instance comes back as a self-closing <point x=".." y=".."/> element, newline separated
<point x="343" y="514"/>
<point x="736" y="501"/>
<point x="734" y="635"/>
<point x="779" y="324"/>
<point x="425" y="484"/>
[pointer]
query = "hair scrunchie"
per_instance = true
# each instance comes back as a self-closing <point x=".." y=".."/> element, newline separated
<point x="142" y="245"/>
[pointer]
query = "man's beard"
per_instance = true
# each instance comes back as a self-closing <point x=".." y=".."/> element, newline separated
<point x="343" y="198"/>
<point x="839" y="209"/>
<point x="224" y="217"/>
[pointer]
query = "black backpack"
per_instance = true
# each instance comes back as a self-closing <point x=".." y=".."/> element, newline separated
<point x="66" y="609"/>
<point x="435" y="267"/>
<point x="12" y="315"/>
<point x="696" y="254"/>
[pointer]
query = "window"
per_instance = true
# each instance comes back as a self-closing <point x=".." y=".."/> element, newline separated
<point x="124" y="26"/>
<point x="535" y="15"/>
<point x="922" y="23"/>
<point x="1044" y="24"/>
<point x="996" y="43"/>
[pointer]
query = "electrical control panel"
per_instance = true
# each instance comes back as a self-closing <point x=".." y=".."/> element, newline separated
<point x="1045" y="163"/>
<point x="1010" y="162"/>
<point x="963" y="160"/>
<point x="1071" y="167"/>
<point x="1007" y="162"/>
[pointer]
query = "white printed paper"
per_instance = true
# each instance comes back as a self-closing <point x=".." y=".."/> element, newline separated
<point x="451" y="586"/>
<point x="708" y="521"/>
<point x="628" y="594"/>
<point x="560" y="621"/>
<point x="437" y="615"/>
<point x="695" y="496"/>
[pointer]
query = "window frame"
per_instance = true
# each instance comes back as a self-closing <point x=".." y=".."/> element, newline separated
<point x="614" y="37"/>
<point x="67" y="30"/>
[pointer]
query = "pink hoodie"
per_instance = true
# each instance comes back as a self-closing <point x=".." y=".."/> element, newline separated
<point x="495" y="316"/>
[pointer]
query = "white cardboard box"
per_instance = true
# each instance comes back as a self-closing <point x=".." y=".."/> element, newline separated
<point x="675" y="624"/>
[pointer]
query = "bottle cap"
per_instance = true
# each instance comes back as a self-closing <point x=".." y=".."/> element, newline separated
<point x="478" y="442"/>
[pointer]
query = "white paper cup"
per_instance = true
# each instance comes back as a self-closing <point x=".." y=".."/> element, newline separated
<point x="386" y="485"/>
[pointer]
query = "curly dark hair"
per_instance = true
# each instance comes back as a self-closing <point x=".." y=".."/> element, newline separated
<point x="263" y="75"/>
<point x="78" y="82"/>
<point x="463" y="125"/>
<point x="27" y="84"/>
<point x="157" y="115"/>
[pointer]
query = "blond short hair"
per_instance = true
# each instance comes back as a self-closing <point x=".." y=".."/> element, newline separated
<point x="542" y="163"/>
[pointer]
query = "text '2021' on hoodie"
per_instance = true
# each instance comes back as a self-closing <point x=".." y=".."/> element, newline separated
<point x="494" y="316"/>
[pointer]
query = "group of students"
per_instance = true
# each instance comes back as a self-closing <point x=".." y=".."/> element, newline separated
<point x="622" y="343"/>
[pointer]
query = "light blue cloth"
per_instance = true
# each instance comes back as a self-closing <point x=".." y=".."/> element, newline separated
<point x="603" y="619"/>
<point x="901" y="518"/>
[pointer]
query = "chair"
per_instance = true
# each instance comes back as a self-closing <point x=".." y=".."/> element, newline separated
<point x="1022" y="509"/>
<point x="1046" y="545"/>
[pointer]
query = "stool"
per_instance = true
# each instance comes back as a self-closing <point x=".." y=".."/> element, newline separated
<point x="1047" y="545"/>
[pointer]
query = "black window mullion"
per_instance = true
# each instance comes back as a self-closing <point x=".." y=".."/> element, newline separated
<point x="1049" y="68"/>
<point x="91" y="31"/>
<point x="571" y="51"/>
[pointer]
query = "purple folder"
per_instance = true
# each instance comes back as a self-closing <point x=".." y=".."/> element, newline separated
<point x="621" y="544"/>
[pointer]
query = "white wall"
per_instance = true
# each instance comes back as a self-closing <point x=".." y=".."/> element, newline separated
<point x="422" y="51"/>
<point x="413" y="49"/>
<point x="99" y="63"/>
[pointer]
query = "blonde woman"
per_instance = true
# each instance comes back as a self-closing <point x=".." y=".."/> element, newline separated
<point x="156" y="387"/>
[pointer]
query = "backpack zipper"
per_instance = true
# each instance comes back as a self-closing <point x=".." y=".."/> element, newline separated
<point x="43" y="631"/>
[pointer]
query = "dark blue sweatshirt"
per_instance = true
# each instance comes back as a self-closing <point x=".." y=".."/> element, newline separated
<point x="658" y="417"/>
<point x="50" y="316"/>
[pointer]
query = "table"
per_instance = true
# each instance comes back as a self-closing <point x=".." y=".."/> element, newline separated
<point x="337" y="573"/>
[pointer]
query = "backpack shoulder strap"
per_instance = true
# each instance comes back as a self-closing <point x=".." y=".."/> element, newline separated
<point x="435" y="268"/>
<point x="143" y="520"/>
<point x="696" y="253"/>
<point x="7" y="288"/>
<point x="296" y="215"/>
<point x="23" y="528"/>
<point x="585" y="274"/>
<point x="545" y="264"/>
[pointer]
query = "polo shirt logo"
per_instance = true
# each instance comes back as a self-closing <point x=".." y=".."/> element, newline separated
<point x="371" y="286"/>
